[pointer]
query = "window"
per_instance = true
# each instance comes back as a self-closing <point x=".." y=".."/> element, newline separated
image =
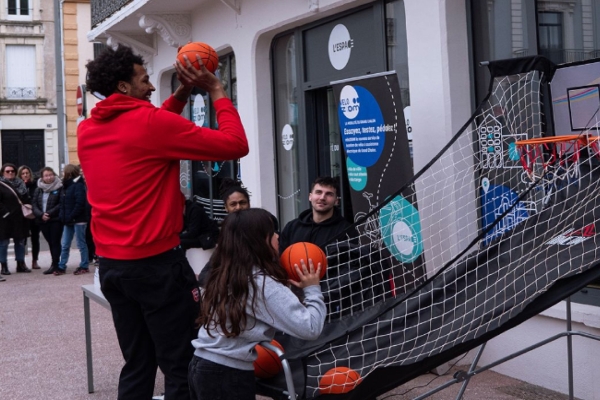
<point x="98" y="48"/>
<point x="550" y="31"/>
<point x="564" y="32"/>
<point x="20" y="72"/>
<point x="397" y="55"/>
<point x="18" y="9"/>
<point x="500" y="30"/>
<point x="205" y="177"/>
<point x="290" y="166"/>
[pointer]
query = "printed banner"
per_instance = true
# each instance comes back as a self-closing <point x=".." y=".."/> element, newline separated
<point x="378" y="163"/>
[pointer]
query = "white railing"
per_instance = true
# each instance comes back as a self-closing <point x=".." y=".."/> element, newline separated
<point x="17" y="93"/>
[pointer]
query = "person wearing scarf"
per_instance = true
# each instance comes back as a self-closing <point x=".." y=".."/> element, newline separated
<point x="46" y="208"/>
<point x="26" y="174"/>
<point x="13" y="225"/>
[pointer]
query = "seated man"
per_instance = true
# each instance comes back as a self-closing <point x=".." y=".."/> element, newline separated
<point x="354" y="278"/>
<point x="199" y="231"/>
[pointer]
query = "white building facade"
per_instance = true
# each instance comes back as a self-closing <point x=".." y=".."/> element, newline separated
<point x="28" y="101"/>
<point x="278" y="64"/>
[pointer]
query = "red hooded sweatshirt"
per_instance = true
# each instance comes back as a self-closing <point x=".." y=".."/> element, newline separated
<point x="130" y="151"/>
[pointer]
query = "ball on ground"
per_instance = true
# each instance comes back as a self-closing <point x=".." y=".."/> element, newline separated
<point x="302" y="251"/>
<point x="207" y="54"/>
<point x="339" y="380"/>
<point x="267" y="363"/>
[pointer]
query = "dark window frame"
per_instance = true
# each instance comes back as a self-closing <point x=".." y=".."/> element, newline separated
<point x="18" y="8"/>
<point x="208" y="195"/>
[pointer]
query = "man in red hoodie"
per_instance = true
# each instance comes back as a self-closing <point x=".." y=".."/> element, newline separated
<point x="130" y="151"/>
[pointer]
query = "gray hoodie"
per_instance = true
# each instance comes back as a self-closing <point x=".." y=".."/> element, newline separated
<point x="279" y="310"/>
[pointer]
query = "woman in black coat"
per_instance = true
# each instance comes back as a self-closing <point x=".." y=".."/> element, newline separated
<point x="46" y="208"/>
<point x="13" y="225"/>
<point x="26" y="175"/>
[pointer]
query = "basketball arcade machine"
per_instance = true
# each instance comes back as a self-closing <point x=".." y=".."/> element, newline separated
<point x="539" y="248"/>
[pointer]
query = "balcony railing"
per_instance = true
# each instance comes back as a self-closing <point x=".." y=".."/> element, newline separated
<point x="102" y="9"/>
<point x="562" y="56"/>
<point x="20" y="93"/>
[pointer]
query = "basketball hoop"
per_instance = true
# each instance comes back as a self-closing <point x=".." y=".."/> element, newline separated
<point x="557" y="156"/>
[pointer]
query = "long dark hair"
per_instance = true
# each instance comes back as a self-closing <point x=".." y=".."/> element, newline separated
<point x="244" y="244"/>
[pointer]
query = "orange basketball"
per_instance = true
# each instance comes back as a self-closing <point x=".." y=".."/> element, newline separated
<point x="207" y="54"/>
<point x="267" y="364"/>
<point x="339" y="380"/>
<point x="302" y="251"/>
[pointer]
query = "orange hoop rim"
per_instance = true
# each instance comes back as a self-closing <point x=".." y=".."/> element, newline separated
<point x="555" y="147"/>
<point x="558" y="139"/>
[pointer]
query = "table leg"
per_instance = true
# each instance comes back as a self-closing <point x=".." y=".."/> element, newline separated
<point x="88" y="343"/>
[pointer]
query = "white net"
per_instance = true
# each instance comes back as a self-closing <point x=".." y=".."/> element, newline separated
<point x="463" y="248"/>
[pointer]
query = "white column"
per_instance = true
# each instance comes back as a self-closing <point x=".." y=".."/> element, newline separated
<point x="440" y="87"/>
<point x="440" y="93"/>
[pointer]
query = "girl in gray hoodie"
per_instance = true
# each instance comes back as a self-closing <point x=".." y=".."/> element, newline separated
<point x="245" y="301"/>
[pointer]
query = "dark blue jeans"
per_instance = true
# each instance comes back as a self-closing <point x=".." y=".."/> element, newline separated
<point x="154" y="303"/>
<point x="212" y="381"/>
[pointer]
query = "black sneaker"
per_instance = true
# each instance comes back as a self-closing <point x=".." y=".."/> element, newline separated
<point x="50" y="270"/>
<point x="2" y="279"/>
<point x="81" y="271"/>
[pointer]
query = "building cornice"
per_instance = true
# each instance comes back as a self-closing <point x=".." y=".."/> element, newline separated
<point x="174" y="29"/>
<point x="22" y="35"/>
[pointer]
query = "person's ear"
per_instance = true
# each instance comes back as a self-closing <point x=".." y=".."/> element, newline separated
<point x="122" y="87"/>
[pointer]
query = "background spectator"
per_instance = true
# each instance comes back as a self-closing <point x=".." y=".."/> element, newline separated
<point x="13" y="225"/>
<point x="26" y="175"/>
<point x="73" y="214"/>
<point x="234" y="195"/>
<point x="46" y="208"/>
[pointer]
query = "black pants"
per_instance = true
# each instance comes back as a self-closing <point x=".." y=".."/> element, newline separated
<point x="209" y="381"/>
<point x="154" y="303"/>
<point x="89" y="240"/>
<point x="52" y="232"/>
<point x="34" y="229"/>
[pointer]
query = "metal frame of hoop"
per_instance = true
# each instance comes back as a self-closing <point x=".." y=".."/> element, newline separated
<point x="556" y="153"/>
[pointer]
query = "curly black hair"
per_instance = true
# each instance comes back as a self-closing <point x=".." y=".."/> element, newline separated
<point x="109" y="68"/>
<point x="229" y="186"/>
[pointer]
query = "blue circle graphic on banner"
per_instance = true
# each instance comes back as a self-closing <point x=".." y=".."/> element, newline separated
<point x="362" y="126"/>
<point x="401" y="229"/>
<point x="357" y="175"/>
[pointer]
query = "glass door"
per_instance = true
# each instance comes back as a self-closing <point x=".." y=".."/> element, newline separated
<point x="329" y="158"/>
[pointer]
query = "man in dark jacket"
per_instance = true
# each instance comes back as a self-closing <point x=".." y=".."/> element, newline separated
<point x="354" y="273"/>
<point x="320" y="224"/>
<point x="73" y="214"/>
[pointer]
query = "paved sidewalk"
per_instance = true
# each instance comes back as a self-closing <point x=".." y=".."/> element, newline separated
<point x="42" y="347"/>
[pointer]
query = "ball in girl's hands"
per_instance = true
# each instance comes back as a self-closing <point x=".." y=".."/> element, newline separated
<point x="302" y="251"/>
